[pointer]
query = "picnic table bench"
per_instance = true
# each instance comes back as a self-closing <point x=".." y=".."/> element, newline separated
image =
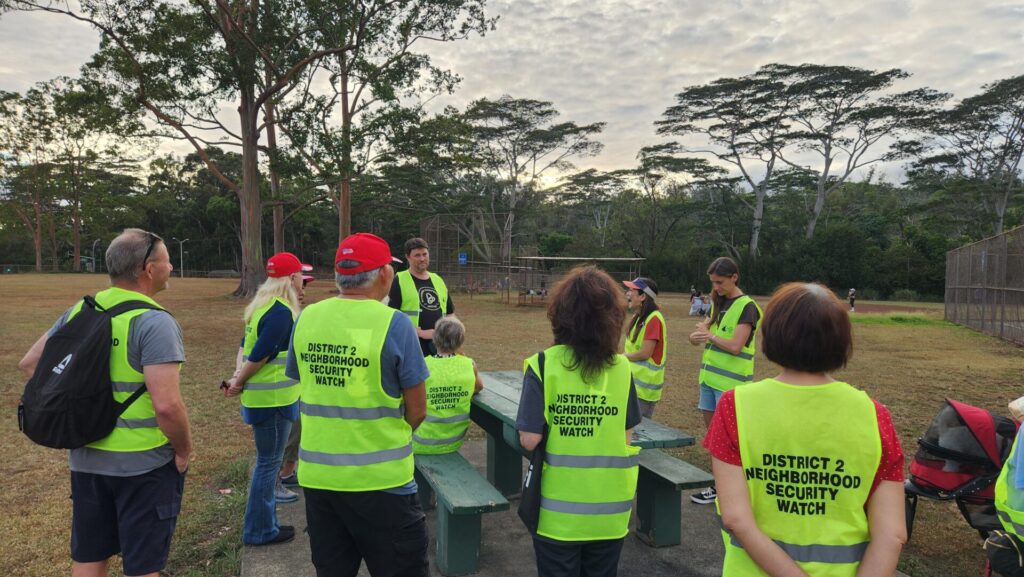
<point x="463" y="496"/>
<point x="662" y="476"/>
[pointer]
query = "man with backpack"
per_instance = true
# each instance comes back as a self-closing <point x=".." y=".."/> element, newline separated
<point x="126" y="487"/>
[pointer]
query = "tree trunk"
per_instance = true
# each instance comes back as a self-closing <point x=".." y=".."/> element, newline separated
<point x="252" y="273"/>
<point x="755" y="233"/>
<point x="76" y="217"/>
<point x="278" y="227"/>
<point x="275" y="181"/>
<point x="819" y="205"/>
<point x="345" y="206"/>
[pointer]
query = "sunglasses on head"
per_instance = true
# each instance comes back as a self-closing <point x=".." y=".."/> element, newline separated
<point x="149" y="251"/>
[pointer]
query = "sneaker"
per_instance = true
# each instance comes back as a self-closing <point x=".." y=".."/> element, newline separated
<point x="291" y="480"/>
<point x="283" y="495"/>
<point x="705" y="497"/>
<point x="284" y="534"/>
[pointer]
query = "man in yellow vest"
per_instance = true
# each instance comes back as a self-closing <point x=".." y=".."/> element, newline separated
<point x="126" y="488"/>
<point x="361" y="374"/>
<point x="420" y="294"/>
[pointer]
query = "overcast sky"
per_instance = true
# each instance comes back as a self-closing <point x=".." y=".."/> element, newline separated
<point x="622" y="61"/>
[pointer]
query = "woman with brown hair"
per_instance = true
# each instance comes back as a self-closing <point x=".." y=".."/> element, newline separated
<point x="579" y="399"/>
<point x="809" y="470"/>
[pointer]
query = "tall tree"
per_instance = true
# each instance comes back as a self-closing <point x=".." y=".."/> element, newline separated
<point x="844" y="119"/>
<point x="344" y="130"/>
<point x="981" y="141"/>
<point x="180" y="63"/>
<point x="745" y="121"/>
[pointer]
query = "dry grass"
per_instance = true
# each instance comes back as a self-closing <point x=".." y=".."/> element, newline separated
<point x="909" y="367"/>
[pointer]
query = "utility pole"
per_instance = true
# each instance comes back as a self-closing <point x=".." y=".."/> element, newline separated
<point x="181" y="256"/>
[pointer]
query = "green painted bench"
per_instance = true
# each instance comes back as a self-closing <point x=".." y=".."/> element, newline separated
<point x="463" y="496"/>
<point x="659" y="492"/>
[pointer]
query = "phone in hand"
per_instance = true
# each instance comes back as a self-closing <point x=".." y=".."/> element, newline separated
<point x="224" y="385"/>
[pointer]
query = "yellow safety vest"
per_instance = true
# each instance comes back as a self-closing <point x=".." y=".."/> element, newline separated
<point x="648" y="376"/>
<point x="450" y="389"/>
<point x="411" y="297"/>
<point x="137" y="429"/>
<point x="1010" y="499"/>
<point x="354" y="435"/>
<point x="808" y="475"/>
<point x="267" y="387"/>
<point x="720" y="369"/>
<point x="589" y="475"/>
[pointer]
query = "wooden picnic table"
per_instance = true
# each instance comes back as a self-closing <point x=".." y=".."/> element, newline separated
<point x="494" y="409"/>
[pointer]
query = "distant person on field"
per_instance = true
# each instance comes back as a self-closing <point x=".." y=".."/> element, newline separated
<point x="727" y="336"/>
<point x="361" y="371"/>
<point x="270" y="400"/>
<point x="453" y="381"/>
<point x="126" y="488"/>
<point x="695" y="302"/>
<point x="852" y="295"/>
<point x="850" y="521"/>
<point x="421" y="294"/>
<point x="646" y="342"/>
<point x="589" y="479"/>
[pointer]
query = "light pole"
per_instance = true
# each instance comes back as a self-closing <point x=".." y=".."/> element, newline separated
<point x="181" y="256"/>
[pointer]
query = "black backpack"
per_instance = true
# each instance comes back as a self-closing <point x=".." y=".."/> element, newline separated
<point x="68" y="402"/>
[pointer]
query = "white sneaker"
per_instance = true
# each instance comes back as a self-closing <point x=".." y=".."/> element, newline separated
<point x="283" y="494"/>
<point x="705" y="497"/>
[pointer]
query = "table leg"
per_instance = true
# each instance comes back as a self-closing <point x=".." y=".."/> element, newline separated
<point x="658" y="505"/>
<point x="504" y="467"/>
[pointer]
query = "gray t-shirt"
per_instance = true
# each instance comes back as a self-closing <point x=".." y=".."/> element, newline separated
<point x="154" y="338"/>
<point x="401" y="367"/>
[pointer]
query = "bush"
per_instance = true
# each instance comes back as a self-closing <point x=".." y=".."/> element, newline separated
<point x="907" y="295"/>
<point x="867" y="294"/>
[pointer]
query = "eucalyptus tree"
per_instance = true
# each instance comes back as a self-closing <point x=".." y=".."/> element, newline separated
<point x="181" y="64"/>
<point x="368" y="92"/>
<point x="980" y="142"/>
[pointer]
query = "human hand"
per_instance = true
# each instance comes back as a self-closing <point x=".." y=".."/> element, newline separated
<point x="181" y="462"/>
<point x="425" y="334"/>
<point x="233" y="388"/>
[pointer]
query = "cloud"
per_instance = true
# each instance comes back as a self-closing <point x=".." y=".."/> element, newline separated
<point x="622" y="61"/>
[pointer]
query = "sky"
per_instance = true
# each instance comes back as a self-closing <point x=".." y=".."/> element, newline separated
<point x="622" y="61"/>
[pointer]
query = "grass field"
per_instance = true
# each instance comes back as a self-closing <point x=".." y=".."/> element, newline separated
<point x="908" y="360"/>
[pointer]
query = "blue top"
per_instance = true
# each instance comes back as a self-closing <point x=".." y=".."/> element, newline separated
<point x="272" y="334"/>
<point x="401" y="367"/>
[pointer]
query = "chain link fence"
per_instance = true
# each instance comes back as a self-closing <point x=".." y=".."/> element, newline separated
<point x="985" y="286"/>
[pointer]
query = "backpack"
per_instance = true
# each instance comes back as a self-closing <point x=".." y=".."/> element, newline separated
<point x="1004" y="554"/>
<point x="68" y="402"/>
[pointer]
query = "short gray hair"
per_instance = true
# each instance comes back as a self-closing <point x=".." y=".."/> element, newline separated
<point x="126" y="254"/>
<point x="449" y="334"/>
<point x="355" y="281"/>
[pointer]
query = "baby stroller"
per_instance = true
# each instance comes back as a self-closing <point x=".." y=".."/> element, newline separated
<point x="959" y="458"/>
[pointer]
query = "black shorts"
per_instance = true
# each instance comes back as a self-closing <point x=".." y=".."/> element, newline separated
<point x="388" y="531"/>
<point x="134" y="516"/>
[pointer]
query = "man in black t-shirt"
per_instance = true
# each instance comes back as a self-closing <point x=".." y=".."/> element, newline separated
<point x="420" y="294"/>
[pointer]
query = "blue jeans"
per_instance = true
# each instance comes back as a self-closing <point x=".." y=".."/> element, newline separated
<point x="271" y="436"/>
<point x="709" y="398"/>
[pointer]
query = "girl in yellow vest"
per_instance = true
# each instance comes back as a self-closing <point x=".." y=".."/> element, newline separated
<point x="451" y="385"/>
<point x="581" y="398"/>
<point x="269" y="397"/>
<point x="809" y="470"/>
<point x="727" y="336"/>
<point x="646" y="348"/>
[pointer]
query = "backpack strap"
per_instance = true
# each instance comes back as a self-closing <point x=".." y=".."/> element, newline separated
<point x="114" y="311"/>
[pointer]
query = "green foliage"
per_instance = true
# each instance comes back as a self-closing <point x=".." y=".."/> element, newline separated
<point x="897" y="319"/>
<point x="905" y="295"/>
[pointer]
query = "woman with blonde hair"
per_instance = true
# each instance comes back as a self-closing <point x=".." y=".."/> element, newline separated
<point x="819" y="492"/>
<point x="269" y="398"/>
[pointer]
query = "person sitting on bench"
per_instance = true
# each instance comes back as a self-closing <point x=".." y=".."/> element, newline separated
<point x="451" y="385"/>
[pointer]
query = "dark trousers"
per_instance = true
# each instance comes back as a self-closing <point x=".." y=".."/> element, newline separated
<point x="568" y="559"/>
<point x="388" y="531"/>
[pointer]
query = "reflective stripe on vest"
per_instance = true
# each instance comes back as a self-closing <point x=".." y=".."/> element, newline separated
<point x="450" y="388"/>
<point x="268" y="386"/>
<point x="136" y="430"/>
<point x="1010" y="499"/>
<point x="822" y="520"/>
<point x="354" y="436"/>
<point x="590" y="473"/>
<point x="720" y="369"/>
<point x="411" y="296"/>
<point x="648" y="376"/>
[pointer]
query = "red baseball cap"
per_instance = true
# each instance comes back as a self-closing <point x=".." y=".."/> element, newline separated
<point x="369" y="250"/>
<point x="284" y="264"/>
